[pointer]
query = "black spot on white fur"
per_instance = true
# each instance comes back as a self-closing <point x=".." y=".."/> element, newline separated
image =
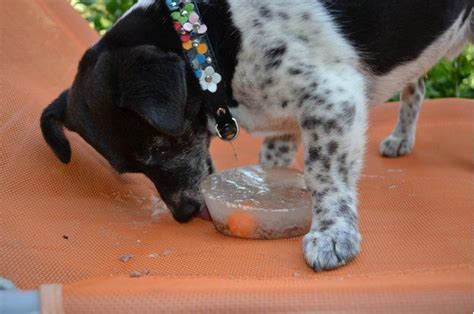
<point x="265" y="12"/>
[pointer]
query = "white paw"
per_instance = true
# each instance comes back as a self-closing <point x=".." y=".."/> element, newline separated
<point x="394" y="146"/>
<point x="331" y="248"/>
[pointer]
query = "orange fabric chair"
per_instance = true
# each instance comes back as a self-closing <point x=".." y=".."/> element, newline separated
<point x="69" y="225"/>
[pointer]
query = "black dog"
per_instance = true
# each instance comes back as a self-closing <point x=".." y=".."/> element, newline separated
<point x="298" y="70"/>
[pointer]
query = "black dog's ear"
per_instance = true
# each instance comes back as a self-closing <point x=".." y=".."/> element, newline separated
<point x="52" y="127"/>
<point x="153" y="84"/>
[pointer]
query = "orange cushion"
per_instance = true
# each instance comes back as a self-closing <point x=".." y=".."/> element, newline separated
<point x="416" y="212"/>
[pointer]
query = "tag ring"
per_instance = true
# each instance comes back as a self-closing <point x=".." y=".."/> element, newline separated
<point x="232" y="135"/>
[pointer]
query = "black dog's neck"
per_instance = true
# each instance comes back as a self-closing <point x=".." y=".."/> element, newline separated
<point x="154" y="26"/>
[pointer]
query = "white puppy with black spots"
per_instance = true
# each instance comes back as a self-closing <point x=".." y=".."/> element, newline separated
<point x="319" y="77"/>
<point x="299" y="71"/>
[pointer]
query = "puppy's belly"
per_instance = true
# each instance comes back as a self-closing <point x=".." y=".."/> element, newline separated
<point x="449" y="45"/>
<point x="258" y="124"/>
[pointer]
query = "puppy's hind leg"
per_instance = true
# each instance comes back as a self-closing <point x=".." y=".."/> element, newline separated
<point x="402" y="139"/>
<point x="279" y="151"/>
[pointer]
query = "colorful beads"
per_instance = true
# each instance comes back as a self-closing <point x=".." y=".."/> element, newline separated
<point x="173" y="4"/>
<point x="188" y="45"/>
<point x="192" y="33"/>
<point x="202" y="48"/>
<point x="182" y="14"/>
<point x="195" y="25"/>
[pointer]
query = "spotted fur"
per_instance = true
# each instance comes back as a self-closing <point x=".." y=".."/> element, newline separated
<point x="311" y="73"/>
<point x="279" y="151"/>
<point x="402" y="139"/>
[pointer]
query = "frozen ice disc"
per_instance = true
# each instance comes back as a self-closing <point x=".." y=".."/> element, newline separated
<point x="259" y="203"/>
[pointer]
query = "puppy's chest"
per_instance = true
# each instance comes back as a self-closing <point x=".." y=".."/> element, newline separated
<point x="277" y="62"/>
<point x="264" y="93"/>
<point x="290" y="51"/>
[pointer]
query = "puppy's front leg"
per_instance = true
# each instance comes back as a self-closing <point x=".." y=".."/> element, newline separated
<point x="334" y="139"/>
<point x="279" y="151"/>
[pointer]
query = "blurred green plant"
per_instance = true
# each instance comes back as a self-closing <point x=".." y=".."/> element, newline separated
<point x="447" y="79"/>
<point x="453" y="78"/>
<point x="102" y="14"/>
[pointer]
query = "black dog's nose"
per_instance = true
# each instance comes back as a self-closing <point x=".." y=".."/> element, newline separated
<point x="185" y="212"/>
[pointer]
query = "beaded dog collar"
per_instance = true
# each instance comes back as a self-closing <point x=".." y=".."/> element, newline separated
<point x="187" y="22"/>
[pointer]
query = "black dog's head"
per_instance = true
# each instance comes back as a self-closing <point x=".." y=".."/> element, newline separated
<point x="137" y="104"/>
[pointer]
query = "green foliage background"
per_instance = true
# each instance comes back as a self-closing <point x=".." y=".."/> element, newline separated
<point x="447" y="79"/>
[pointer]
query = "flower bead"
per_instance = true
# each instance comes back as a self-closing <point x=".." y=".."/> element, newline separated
<point x="173" y="4"/>
<point x="187" y="45"/>
<point x="209" y="79"/>
<point x="182" y="33"/>
<point x="194" y="24"/>
<point x="182" y="16"/>
<point x="185" y="38"/>
<point x="198" y="61"/>
<point x="195" y="43"/>
<point x="202" y="48"/>
<point x="198" y="73"/>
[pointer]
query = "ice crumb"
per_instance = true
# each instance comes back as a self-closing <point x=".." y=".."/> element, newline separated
<point x="135" y="274"/>
<point x="373" y="176"/>
<point x="126" y="257"/>
<point x="157" y="208"/>
<point x="394" y="170"/>
<point x="166" y="252"/>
